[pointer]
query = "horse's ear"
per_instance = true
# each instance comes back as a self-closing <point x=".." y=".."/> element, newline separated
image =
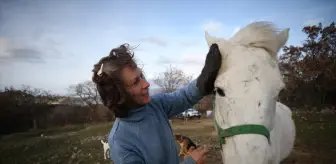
<point x="210" y="39"/>
<point x="282" y="38"/>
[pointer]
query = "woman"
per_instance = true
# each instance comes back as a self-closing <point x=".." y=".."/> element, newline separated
<point x="141" y="132"/>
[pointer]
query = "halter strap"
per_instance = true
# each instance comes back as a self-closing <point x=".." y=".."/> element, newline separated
<point x="241" y="129"/>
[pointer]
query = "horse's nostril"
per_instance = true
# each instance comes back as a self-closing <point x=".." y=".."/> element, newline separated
<point x="220" y="92"/>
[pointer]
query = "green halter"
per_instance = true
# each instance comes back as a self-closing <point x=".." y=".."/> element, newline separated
<point x="240" y="129"/>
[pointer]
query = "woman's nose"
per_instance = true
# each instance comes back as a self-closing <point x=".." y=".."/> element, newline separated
<point x="145" y="83"/>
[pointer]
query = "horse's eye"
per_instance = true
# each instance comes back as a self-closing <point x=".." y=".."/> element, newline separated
<point x="220" y="92"/>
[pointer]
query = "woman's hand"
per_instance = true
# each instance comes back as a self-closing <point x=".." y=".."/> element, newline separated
<point x="199" y="154"/>
<point x="213" y="62"/>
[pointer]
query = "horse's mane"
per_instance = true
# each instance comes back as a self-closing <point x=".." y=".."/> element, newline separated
<point x="260" y="34"/>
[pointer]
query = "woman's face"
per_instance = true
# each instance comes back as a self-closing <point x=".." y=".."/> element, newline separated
<point x="136" y="85"/>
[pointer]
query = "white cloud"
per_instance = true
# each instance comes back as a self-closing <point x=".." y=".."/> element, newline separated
<point x="5" y="45"/>
<point x="165" y="60"/>
<point x="190" y="61"/>
<point x="192" y="66"/>
<point x="213" y="26"/>
<point x="188" y="44"/>
<point x="193" y="61"/>
<point x="11" y="51"/>
<point x="193" y="58"/>
<point x="153" y="40"/>
<point x="267" y="18"/>
<point x="187" y="58"/>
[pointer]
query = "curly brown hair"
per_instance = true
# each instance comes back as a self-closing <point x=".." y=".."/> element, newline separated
<point x="108" y="81"/>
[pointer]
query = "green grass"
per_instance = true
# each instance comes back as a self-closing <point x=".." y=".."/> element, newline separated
<point x="71" y="144"/>
<point x="316" y="130"/>
<point x="315" y="143"/>
<point x="315" y="138"/>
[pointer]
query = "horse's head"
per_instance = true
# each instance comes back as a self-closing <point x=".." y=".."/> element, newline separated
<point x="247" y="87"/>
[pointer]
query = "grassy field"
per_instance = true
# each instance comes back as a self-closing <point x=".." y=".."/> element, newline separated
<point x="315" y="142"/>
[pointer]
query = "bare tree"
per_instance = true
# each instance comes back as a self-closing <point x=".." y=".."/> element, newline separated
<point x="88" y="92"/>
<point x="31" y="104"/>
<point x="40" y="96"/>
<point x="172" y="79"/>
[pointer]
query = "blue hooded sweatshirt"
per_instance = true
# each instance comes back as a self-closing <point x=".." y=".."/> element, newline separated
<point x="146" y="137"/>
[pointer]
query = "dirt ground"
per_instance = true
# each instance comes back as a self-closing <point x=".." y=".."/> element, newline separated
<point x="201" y="132"/>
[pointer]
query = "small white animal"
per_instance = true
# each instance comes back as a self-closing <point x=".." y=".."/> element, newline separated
<point x="106" y="149"/>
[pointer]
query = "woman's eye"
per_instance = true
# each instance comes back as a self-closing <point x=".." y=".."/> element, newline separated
<point x="220" y="92"/>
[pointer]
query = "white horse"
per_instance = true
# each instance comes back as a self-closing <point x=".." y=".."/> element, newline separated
<point x="252" y="126"/>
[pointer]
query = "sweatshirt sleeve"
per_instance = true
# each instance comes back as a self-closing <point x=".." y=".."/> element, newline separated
<point x="180" y="100"/>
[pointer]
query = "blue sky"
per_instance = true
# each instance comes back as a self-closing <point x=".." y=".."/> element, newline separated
<point x="53" y="44"/>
